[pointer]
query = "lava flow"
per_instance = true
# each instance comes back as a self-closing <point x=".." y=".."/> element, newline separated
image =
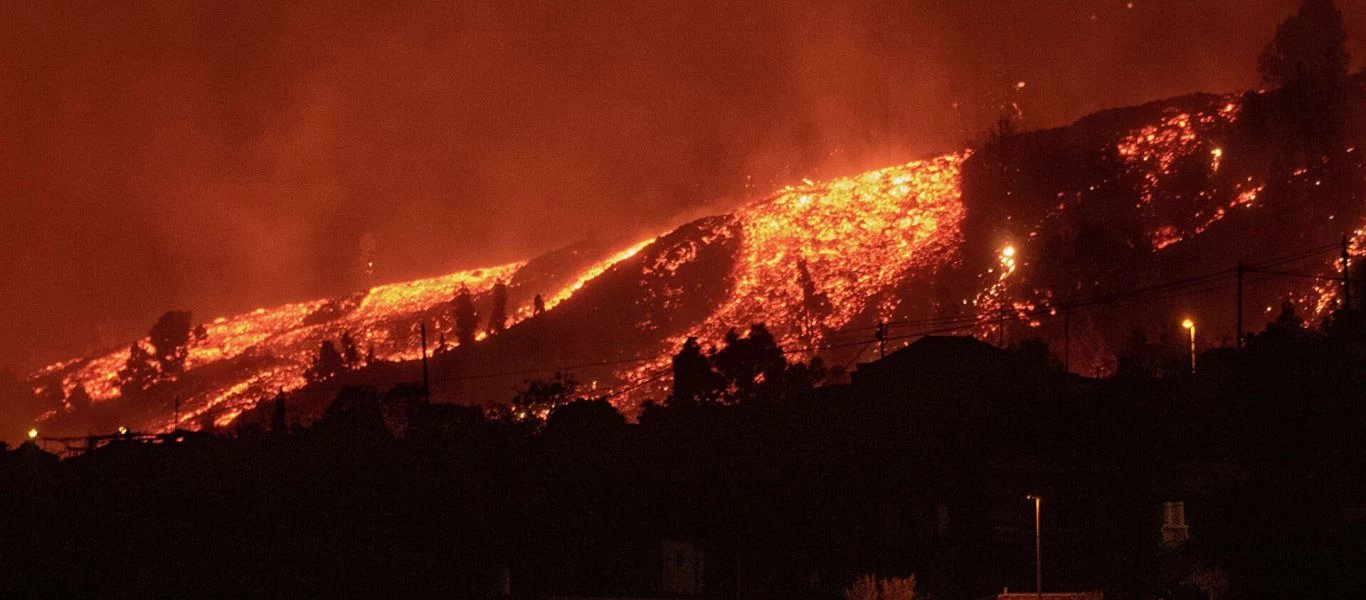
<point x="813" y="257"/>
<point x="811" y="262"/>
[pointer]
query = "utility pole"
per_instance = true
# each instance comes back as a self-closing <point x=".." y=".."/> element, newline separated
<point x="1067" y="339"/>
<point x="1239" y="340"/>
<point x="881" y="339"/>
<point x="426" y="378"/>
<point x="1346" y="280"/>
<point x="1001" y="330"/>
<point x="1038" y="551"/>
<point x="175" y="422"/>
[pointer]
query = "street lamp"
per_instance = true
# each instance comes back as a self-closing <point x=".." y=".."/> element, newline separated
<point x="1189" y="324"/>
<point x="33" y="433"/>
<point x="1038" y="550"/>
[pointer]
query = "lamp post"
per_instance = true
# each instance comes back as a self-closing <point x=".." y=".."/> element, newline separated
<point x="1190" y="325"/>
<point x="1038" y="551"/>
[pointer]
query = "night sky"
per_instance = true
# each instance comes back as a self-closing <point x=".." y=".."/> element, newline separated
<point x="220" y="156"/>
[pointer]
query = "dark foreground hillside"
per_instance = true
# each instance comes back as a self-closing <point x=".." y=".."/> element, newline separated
<point x="920" y="466"/>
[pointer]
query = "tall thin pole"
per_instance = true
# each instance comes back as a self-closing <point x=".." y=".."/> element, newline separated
<point x="1192" y="349"/>
<point x="1346" y="279"/>
<point x="426" y="379"/>
<point x="1239" y="340"/>
<point x="882" y="339"/>
<point x="175" y="423"/>
<point x="1038" y="550"/>
<point x="1001" y="332"/>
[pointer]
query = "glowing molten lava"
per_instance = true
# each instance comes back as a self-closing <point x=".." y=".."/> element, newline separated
<point x="811" y="262"/>
<point x="814" y="257"/>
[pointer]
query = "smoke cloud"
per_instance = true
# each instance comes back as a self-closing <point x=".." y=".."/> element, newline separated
<point x="219" y="156"/>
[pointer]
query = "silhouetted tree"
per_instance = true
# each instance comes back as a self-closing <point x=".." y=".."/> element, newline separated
<point x="801" y="376"/>
<point x="537" y="305"/>
<point x="694" y="379"/>
<point x="498" y="315"/>
<point x="816" y="303"/>
<point x="79" y="399"/>
<point x="466" y="318"/>
<point x="370" y="355"/>
<point x="540" y="396"/>
<point x="746" y="362"/>
<point x="1342" y="324"/>
<point x="1287" y="326"/>
<point x="170" y="337"/>
<point x="278" y="425"/>
<point x="351" y="359"/>
<point x="1309" y="50"/>
<point x="584" y="416"/>
<point x="1004" y="127"/>
<point x="138" y="372"/>
<point x="1308" y="61"/>
<point x="327" y="363"/>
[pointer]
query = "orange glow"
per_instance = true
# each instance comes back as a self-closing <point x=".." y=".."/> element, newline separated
<point x="859" y="237"/>
<point x="593" y="272"/>
<point x="288" y="336"/>
<point x="811" y="259"/>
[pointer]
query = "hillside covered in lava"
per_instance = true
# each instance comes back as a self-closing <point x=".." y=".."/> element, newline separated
<point x="1049" y="234"/>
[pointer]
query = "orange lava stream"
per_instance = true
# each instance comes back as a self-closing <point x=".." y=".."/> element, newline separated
<point x="284" y="334"/>
<point x="595" y="270"/>
<point x="812" y="259"/>
<point x="860" y="237"/>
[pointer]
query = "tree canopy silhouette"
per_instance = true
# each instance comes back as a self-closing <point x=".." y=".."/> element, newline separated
<point x="138" y="372"/>
<point x="498" y="315"/>
<point x="466" y="318"/>
<point x="351" y="358"/>
<point x="746" y="368"/>
<point x="170" y="337"/>
<point x="694" y="379"/>
<point x="1307" y="61"/>
<point x="541" y="396"/>
<point x="327" y="363"/>
<point x="746" y="362"/>
<point x="1309" y="50"/>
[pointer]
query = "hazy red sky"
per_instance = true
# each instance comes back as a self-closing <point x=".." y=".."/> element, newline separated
<point x="219" y="156"/>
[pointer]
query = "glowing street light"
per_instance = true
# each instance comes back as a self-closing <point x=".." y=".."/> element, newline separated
<point x="1038" y="550"/>
<point x="33" y="433"/>
<point x="1190" y="325"/>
